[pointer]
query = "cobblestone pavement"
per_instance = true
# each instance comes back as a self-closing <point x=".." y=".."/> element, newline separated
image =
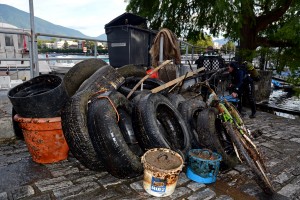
<point x="21" y="178"/>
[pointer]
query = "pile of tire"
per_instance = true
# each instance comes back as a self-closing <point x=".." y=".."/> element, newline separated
<point x="107" y="131"/>
<point x="104" y="129"/>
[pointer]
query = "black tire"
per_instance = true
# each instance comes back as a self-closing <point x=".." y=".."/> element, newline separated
<point x="130" y="82"/>
<point x="190" y="110"/>
<point x="39" y="97"/>
<point x="175" y="99"/>
<point x="192" y="95"/>
<point x="80" y="72"/>
<point x="102" y="77"/>
<point x="125" y="125"/>
<point x="132" y="71"/>
<point x="17" y="130"/>
<point x="157" y="123"/>
<point x="259" y="178"/>
<point x="211" y="135"/>
<point x="114" y="141"/>
<point x="74" y="116"/>
<point x="74" y="125"/>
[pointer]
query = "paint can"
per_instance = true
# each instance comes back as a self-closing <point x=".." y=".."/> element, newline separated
<point x="203" y="165"/>
<point x="161" y="170"/>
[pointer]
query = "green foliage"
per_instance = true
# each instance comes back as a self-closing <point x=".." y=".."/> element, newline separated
<point x="254" y="23"/>
<point x="204" y="41"/>
<point x="229" y="46"/>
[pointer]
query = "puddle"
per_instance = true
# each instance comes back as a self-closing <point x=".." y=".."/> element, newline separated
<point x="221" y="188"/>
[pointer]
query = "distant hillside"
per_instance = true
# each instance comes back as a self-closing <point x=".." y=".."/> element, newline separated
<point x="21" y="19"/>
<point x="102" y="37"/>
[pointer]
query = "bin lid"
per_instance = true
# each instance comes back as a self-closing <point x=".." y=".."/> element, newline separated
<point x="126" y="19"/>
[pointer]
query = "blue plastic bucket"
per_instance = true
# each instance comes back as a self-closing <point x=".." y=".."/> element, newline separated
<point x="203" y="165"/>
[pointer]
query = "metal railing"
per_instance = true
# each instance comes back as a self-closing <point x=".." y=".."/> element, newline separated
<point x="68" y="37"/>
<point x="192" y="52"/>
<point x="20" y="32"/>
<point x="33" y="52"/>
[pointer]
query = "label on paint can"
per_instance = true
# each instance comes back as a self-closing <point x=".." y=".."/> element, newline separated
<point x="158" y="185"/>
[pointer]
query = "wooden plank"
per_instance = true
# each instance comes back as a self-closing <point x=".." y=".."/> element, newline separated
<point x="147" y="76"/>
<point x="175" y="81"/>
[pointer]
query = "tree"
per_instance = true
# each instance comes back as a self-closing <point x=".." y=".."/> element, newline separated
<point x="65" y="46"/>
<point x="253" y="23"/>
<point x="203" y="41"/>
<point x="229" y="46"/>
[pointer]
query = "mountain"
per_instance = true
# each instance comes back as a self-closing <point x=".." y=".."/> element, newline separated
<point x="102" y="37"/>
<point x="21" y="19"/>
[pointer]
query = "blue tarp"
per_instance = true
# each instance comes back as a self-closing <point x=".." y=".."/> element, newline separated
<point x="276" y="83"/>
<point x="229" y="98"/>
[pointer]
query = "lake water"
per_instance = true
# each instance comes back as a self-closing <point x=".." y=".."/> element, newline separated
<point x="285" y="100"/>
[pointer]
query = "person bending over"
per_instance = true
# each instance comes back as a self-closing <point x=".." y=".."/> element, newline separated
<point x="242" y="86"/>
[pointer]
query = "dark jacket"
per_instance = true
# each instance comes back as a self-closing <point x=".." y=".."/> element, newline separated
<point x="238" y="75"/>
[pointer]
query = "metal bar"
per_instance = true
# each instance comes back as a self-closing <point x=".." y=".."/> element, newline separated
<point x="33" y="41"/>
<point x="95" y="49"/>
<point x="186" y="53"/>
<point x="15" y="59"/>
<point x="161" y="49"/>
<point x="23" y="32"/>
<point x="69" y="37"/>
<point x="56" y="58"/>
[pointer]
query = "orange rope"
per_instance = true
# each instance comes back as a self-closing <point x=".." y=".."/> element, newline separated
<point x="110" y="101"/>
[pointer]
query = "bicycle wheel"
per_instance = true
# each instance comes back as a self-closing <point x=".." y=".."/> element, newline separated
<point x="252" y="160"/>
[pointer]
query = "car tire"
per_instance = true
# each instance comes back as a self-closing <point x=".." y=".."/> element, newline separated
<point x="211" y="136"/>
<point x="114" y="141"/>
<point x="80" y="72"/>
<point x="157" y="123"/>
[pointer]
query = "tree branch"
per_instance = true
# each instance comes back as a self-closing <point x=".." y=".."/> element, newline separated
<point x="261" y="41"/>
<point x="263" y="21"/>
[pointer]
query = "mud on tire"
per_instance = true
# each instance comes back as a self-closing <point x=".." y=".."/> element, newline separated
<point x="190" y="110"/>
<point x="212" y="135"/>
<point x="157" y="123"/>
<point x="74" y="115"/>
<point x="114" y="141"/>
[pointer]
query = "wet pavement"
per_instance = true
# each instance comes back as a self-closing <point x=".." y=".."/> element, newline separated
<point x="21" y="178"/>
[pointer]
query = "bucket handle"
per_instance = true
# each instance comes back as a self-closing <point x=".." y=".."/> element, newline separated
<point x="210" y="152"/>
<point x="162" y="155"/>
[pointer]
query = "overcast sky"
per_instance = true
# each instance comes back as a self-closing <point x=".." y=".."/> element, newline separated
<point x="86" y="16"/>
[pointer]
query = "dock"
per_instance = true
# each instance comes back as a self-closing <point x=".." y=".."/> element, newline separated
<point x="278" y="139"/>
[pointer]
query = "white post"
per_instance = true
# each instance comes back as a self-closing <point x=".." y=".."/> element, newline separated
<point x="161" y="49"/>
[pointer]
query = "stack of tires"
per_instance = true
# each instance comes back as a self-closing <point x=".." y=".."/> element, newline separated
<point x="105" y="130"/>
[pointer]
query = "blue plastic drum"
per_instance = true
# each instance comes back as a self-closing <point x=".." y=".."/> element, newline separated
<point x="203" y="165"/>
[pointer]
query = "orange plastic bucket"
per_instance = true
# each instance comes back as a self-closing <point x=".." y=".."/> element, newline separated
<point x="44" y="138"/>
